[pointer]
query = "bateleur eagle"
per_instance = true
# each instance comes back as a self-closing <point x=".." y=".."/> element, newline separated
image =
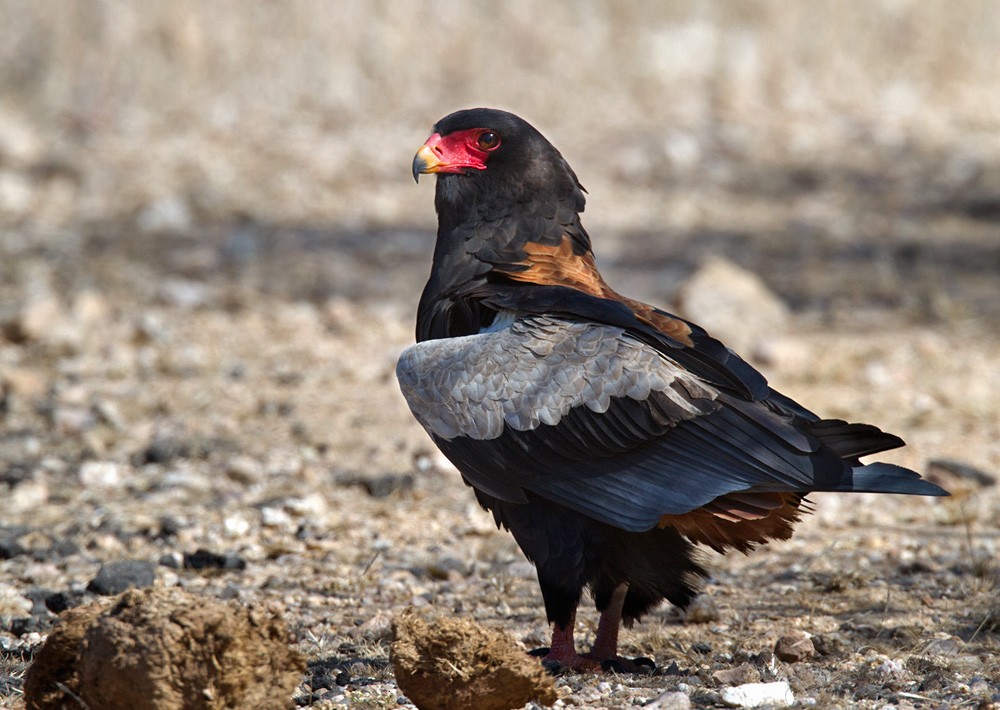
<point x="610" y="437"/>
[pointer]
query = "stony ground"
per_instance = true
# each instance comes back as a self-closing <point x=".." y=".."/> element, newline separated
<point x="220" y="405"/>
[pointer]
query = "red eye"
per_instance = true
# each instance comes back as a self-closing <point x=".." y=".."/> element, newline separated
<point x="488" y="140"/>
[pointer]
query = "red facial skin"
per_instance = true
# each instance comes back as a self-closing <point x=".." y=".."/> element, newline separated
<point x="460" y="151"/>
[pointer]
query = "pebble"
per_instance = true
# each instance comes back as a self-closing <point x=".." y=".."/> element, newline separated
<point x="37" y="320"/>
<point x="115" y="577"/>
<point x="172" y="560"/>
<point x="382" y="486"/>
<point x="794" y="647"/>
<point x="948" y="646"/>
<point x="9" y="546"/>
<point x="244" y="469"/>
<point x="701" y="610"/>
<point x="12" y="603"/>
<point x="670" y="700"/>
<point x="101" y="474"/>
<point x="378" y="627"/>
<point x="755" y="695"/>
<point x="272" y="517"/>
<point x="170" y="213"/>
<point x="444" y="567"/>
<point x="27" y="495"/>
<point x="205" y="559"/>
<point x="235" y="526"/>
<point x="740" y="675"/>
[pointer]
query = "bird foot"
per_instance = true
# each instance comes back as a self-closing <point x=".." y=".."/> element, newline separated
<point x="560" y="663"/>
<point x="638" y="666"/>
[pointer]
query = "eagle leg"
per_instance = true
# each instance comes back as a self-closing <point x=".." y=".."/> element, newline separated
<point x="562" y="653"/>
<point x="606" y="644"/>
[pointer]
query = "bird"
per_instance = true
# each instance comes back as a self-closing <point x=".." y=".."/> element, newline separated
<point x="612" y="438"/>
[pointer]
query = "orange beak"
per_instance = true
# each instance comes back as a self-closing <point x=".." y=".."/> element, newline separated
<point x="426" y="161"/>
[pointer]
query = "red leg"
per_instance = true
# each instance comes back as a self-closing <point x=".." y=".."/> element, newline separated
<point x="604" y="652"/>
<point x="606" y="644"/>
<point x="603" y="655"/>
<point x="563" y="649"/>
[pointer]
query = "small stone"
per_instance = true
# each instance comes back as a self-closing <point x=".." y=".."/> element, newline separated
<point x="755" y="695"/>
<point x="184" y="294"/>
<point x="58" y="602"/>
<point x="947" y="646"/>
<point x="828" y="645"/>
<point x="235" y="526"/>
<point x="794" y="647"/>
<point x="12" y="603"/>
<point x="172" y="559"/>
<point x="244" y="469"/>
<point x="670" y="700"/>
<point x="101" y="474"/>
<point x="109" y="413"/>
<point x="170" y="213"/>
<point x="10" y="549"/>
<point x="890" y="667"/>
<point x="444" y="567"/>
<point x="378" y="628"/>
<point x="170" y="525"/>
<point x="205" y="559"/>
<point x="115" y="577"/>
<point x="272" y="517"/>
<point x="382" y="486"/>
<point x="90" y="307"/>
<point x="27" y="495"/>
<point x="701" y="610"/>
<point x="36" y="320"/>
<point x="163" y="449"/>
<point x="740" y="675"/>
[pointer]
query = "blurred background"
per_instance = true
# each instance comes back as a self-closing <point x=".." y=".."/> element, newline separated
<point x="692" y="123"/>
<point x="310" y="111"/>
<point x="877" y="122"/>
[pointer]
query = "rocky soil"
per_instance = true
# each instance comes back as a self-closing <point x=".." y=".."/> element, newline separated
<point x="218" y="406"/>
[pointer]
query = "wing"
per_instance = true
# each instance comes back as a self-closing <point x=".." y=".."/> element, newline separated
<point x="588" y="415"/>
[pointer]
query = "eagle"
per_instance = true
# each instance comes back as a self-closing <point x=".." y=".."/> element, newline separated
<point x="610" y="437"/>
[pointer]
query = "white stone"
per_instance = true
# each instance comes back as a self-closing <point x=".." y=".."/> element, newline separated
<point x="275" y="518"/>
<point x="101" y="474"/>
<point x="755" y="695"/>
<point x="236" y="526"/>
<point x="670" y="700"/>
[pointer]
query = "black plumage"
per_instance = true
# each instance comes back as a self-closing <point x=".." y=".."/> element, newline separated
<point x="610" y="437"/>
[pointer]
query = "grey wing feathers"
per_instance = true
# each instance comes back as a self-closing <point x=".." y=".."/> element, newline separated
<point x="534" y="372"/>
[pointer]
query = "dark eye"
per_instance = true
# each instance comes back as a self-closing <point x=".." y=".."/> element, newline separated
<point x="488" y="140"/>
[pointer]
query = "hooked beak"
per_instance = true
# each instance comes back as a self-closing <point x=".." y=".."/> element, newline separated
<point x="426" y="161"/>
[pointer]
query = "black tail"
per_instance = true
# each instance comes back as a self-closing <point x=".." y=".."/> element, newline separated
<point x="853" y="440"/>
<point x="888" y="478"/>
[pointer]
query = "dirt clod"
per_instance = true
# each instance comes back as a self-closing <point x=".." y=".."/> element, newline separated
<point x="164" y="648"/>
<point x="448" y="664"/>
<point x="794" y="646"/>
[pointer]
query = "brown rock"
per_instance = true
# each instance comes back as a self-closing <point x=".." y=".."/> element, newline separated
<point x="453" y="664"/>
<point x="164" y="648"/>
<point x="794" y="646"/>
<point x="701" y="610"/>
<point x="743" y="673"/>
